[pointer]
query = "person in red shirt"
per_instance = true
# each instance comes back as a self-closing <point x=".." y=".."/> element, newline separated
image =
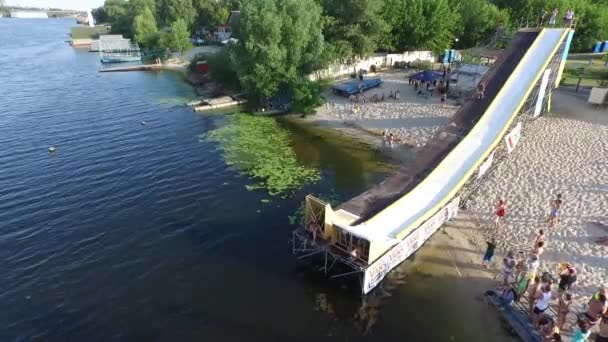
<point x="501" y="211"/>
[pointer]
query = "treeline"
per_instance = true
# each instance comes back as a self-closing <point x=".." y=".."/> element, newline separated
<point x="281" y="41"/>
<point x="165" y="24"/>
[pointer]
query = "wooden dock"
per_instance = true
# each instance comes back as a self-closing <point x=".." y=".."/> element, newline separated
<point x="143" y="67"/>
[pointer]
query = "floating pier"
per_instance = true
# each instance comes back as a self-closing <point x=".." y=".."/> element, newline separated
<point x="143" y="67"/>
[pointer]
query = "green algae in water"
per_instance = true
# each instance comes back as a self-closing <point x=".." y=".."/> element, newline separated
<point x="260" y="148"/>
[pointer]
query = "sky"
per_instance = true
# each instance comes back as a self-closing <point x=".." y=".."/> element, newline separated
<point x="65" y="4"/>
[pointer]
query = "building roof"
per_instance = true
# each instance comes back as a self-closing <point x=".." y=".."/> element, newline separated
<point x="111" y="42"/>
<point x="84" y="32"/>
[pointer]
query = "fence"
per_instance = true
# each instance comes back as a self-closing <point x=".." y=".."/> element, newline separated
<point x="379" y="60"/>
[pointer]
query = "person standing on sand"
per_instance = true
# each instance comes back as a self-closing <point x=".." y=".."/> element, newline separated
<point x="501" y="211"/>
<point x="541" y="237"/>
<point x="556" y="206"/>
<point x="508" y="264"/>
<point x="596" y="307"/>
<point x="563" y="308"/>
<point x="487" y="258"/>
<point x="602" y="334"/>
<point x="533" y="291"/>
<point x="521" y="279"/>
<point x="391" y="139"/>
<point x="538" y="250"/>
<point x="541" y="303"/>
<point x="567" y="278"/>
<point x="582" y="333"/>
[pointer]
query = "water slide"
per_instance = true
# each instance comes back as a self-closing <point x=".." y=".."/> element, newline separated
<point x="388" y="212"/>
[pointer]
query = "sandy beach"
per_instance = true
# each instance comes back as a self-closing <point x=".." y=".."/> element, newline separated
<point x="412" y="119"/>
<point x="563" y="152"/>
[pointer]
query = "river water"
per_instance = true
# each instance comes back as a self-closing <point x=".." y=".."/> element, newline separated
<point x="136" y="229"/>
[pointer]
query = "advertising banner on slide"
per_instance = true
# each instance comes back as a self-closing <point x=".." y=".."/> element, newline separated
<point x="485" y="166"/>
<point x="513" y="137"/>
<point x="379" y="269"/>
<point x="541" y="92"/>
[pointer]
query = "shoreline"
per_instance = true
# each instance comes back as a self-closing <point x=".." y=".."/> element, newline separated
<point x="528" y="180"/>
<point x="574" y="135"/>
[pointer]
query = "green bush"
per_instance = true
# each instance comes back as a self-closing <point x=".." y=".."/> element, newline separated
<point x="221" y="69"/>
<point x="423" y="65"/>
<point x="306" y="96"/>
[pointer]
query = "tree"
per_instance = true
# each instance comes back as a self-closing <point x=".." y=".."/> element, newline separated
<point x="280" y="42"/>
<point x="523" y="11"/>
<point x="100" y="15"/>
<point x="138" y="6"/>
<point x="144" y="27"/>
<point x="211" y="12"/>
<point x="354" y="28"/>
<point x="2" y="6"/>
<point x="479" y="19"/>
<point x="422" y="24"/>
<point x="170" y="11"/>
<point x="178" y="38"/>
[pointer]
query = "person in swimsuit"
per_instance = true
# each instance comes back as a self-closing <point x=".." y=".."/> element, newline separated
<point x="538" y="250"/>
<point x="602" y="334"/>
<point x="596" y="307"/>
<point x="563" y="308"/>
<point x="501" y="211"/>
<point x="556" y="206"/>
<point x="541" y="237"/>
<point x="533" y="291"/>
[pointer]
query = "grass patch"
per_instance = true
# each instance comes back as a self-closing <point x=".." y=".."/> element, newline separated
<point x="593" y="74"/>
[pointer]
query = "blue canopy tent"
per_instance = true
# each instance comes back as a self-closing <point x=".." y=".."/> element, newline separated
<point x="427" y="76"/>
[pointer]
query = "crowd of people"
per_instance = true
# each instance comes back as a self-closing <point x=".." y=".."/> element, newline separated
<point x="521" y="281"/>
<point x="431" y="87"/>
